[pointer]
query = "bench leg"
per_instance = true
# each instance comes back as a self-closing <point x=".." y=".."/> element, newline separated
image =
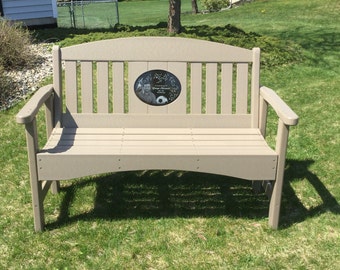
<point x="38" y="205"/>
<point x="257" y="187"/>
<point x="275" y="202"/>
<point x="265" y="186"/>
<point x="36" y="185"/>
<point x="55" y="187"/>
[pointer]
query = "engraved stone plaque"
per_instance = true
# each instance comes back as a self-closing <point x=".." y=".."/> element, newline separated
<point x="157" y="87"/>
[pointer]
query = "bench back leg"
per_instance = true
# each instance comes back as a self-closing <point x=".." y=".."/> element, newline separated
<point x="55" y="187"/>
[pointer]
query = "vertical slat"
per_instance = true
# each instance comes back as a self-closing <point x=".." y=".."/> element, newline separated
<point x="255" y="87"/>
<point x="86" y="87"/>
<point x="179" y="69"/>
<point x="49" y="115"/>
<point x="263" y="116"/>
<point x="71" y="92"/>
<point x="57" y="84"/>
<point x="196" y="88"/>
<point x="227" y="88"/>
<point x="242" y="88"/>
<point x="135" y="70"/>
<point x="103" y="87"/>
<point x="50" y="122"/>
<point x="118" y="87"/>
<point x="211" y="88"/>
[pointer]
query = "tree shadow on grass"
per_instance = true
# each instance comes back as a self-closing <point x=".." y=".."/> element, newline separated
<point x="324" y="43"/>
<point x="164" y="194"/>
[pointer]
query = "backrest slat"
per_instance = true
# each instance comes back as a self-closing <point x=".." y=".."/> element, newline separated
<point x="226" y="88"/>
<point x="242" y="88"/>
<point x="86" y="87"/>
<point x="102" y="87"/>
<point x="211" y="88"/>
<point x="196" y="88"/>
<point x="71" y="86"/>
<point x="57" y="84"/>
<point x="118" y="87"/>
<point x="255" y="88"/>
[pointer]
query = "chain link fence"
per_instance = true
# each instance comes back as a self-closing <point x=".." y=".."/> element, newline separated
<point x="88" y="13"/>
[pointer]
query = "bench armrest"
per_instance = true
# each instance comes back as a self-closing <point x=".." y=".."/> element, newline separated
<point x="31" y="108"/>
<point x="285" y="113"/>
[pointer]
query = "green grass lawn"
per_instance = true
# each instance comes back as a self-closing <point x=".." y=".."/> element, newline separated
<point x="182" y="220"/>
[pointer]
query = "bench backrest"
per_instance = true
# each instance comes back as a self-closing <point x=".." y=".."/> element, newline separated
<point x="219" y="83"/>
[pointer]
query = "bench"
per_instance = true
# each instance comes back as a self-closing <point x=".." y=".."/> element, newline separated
<point x="155" y="103"/>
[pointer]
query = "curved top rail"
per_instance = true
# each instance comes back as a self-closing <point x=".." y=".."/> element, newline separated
<point x="155" y="49"/>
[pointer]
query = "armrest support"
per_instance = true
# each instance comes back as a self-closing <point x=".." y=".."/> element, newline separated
<point x="31" y="108"/>
<point x="285" y="113"/>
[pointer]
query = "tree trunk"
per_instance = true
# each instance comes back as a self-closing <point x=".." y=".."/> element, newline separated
<point x="194" y="6"/>
<point x="174" y="20"/>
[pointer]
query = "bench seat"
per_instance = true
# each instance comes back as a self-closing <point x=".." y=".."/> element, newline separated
<point x="84" y="151"/>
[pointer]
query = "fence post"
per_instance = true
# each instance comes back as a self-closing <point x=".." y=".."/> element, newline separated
<point x="117" y="11"/>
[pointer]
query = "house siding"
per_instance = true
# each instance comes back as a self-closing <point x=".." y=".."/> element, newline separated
<point x="30" y="10"/>
<point x="1" y="9"/>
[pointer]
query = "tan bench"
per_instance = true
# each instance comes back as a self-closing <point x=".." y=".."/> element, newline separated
<point x="152" y="103"/>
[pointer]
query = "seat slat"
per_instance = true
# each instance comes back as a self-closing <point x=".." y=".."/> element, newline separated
<point x="154" y="137"/>
<point x="169" y="131"/>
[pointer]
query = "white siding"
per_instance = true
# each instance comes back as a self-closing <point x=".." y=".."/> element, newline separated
<point x="29" y="9"/>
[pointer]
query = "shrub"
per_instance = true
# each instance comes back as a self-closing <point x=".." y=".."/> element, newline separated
<point x="274" y="51"/>
<point x="215" y="5"/>
<point x="6" y="88"/>
<point x="14" y="45"/>
<point x="14" y="54"/>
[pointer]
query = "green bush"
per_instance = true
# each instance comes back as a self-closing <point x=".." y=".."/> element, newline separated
<point x="14" y="45"/>
<point x="215" y="5"/>
<point x="274" y="51"/>
<point x="14" y="54"/>
<point x="6" y="89"/>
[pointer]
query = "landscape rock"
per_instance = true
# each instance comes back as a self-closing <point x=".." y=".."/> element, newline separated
<point x="29" y="79"/>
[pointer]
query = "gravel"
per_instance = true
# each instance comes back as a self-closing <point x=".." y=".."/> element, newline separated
<point x="28" y="80"/>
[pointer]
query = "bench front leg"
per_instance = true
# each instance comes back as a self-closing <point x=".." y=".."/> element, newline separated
<point x="287" y="118"/>
<point x="281" y="149"/>
<point x="27" y="116"/>
<point x="36" y="185"/>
